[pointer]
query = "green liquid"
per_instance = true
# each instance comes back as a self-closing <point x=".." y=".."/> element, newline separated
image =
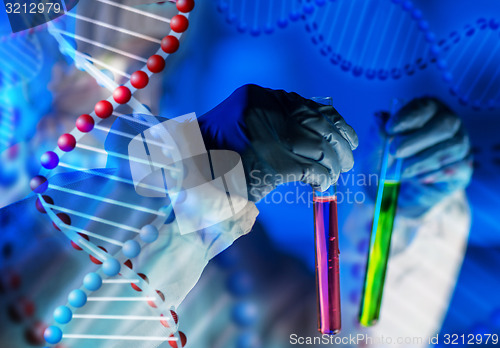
<point x="378" y="255"/>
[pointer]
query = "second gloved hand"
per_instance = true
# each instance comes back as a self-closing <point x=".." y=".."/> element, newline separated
<point x="281" y="138"/>
<point x="435" y="147"/>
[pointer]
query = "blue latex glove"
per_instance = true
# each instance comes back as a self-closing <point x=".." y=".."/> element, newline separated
<point x="281" y="137"/>
<point x="436" y="151"/>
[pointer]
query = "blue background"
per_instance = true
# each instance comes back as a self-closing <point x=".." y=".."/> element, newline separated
<point x="217" y="58"/>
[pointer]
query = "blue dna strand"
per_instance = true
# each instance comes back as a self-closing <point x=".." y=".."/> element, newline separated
<point x="469" y="63"/>
<point x="100" y="212"/>
<point x="15" y="169"/>
<point x="264" y="16"/>
<point x="98" y="209"/>
<point x="29" y="271"/>
<point x="121" y="310"/>
<point x="20" y="58"/>
<point x="380" y="39"/>
<point x="9" y="118"/>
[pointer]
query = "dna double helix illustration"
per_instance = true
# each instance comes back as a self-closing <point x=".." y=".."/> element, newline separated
<point x="21" y="58"/>
<point x="373" y="39"/>
<point x="263" y="17"/>
<point x="9" y="118"/>
<point x="386" y="40"/>
<point x="469" y="63"/>
<point x="27" y="274"/>
<point x="98" y="209"/>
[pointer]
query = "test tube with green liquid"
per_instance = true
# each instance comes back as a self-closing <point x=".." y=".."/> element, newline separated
<point x="380" y="239"/>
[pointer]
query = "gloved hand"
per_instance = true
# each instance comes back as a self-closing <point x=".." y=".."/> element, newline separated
<point x="436" y="151"/>
<point x="281" y="137"/>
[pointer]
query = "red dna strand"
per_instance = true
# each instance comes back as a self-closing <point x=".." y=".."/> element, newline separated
<point x="264" y="16"/>
<point x="88" y="216"/>
<point x="382" y="39"/>
<point x="469" y="63"/>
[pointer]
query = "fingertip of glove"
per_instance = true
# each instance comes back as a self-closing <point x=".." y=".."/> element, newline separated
<point x="354" y="141"/>
<point x="412" y="115"/>
<point x="349" y="134"/>
<point x="346" y="169"/>
<point x="399" y="150"/>
<point x="320" y="187"/>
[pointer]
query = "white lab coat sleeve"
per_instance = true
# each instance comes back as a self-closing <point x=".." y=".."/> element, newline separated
<point x="176" y="261"/>
<point x="173" y="265"/>
<point x="421" y="275"/>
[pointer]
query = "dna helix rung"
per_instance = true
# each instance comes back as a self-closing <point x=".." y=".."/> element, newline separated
<point x="122" y="97"/>
<point x="388" y="39"/>
<point x="20" y="58"/>
<point x="28" y="272"/>
<point x="469" y="63"/>
<point x="69" y="40"/>
<point x="110" y="264"/>
<point x="264" y="16"/>
<point x="384" y="39"/>
<point x="466" y="59"/>
<point x="90" y="295"/>
<point x="9" y="117"/>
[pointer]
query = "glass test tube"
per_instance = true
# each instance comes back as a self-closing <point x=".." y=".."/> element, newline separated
<point x="327" y="256"/>
<point x="326" y="241"/>
<point x="380" y="238"/>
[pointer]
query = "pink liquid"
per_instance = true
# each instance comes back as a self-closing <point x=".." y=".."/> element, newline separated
<point x="327" y="264"/>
